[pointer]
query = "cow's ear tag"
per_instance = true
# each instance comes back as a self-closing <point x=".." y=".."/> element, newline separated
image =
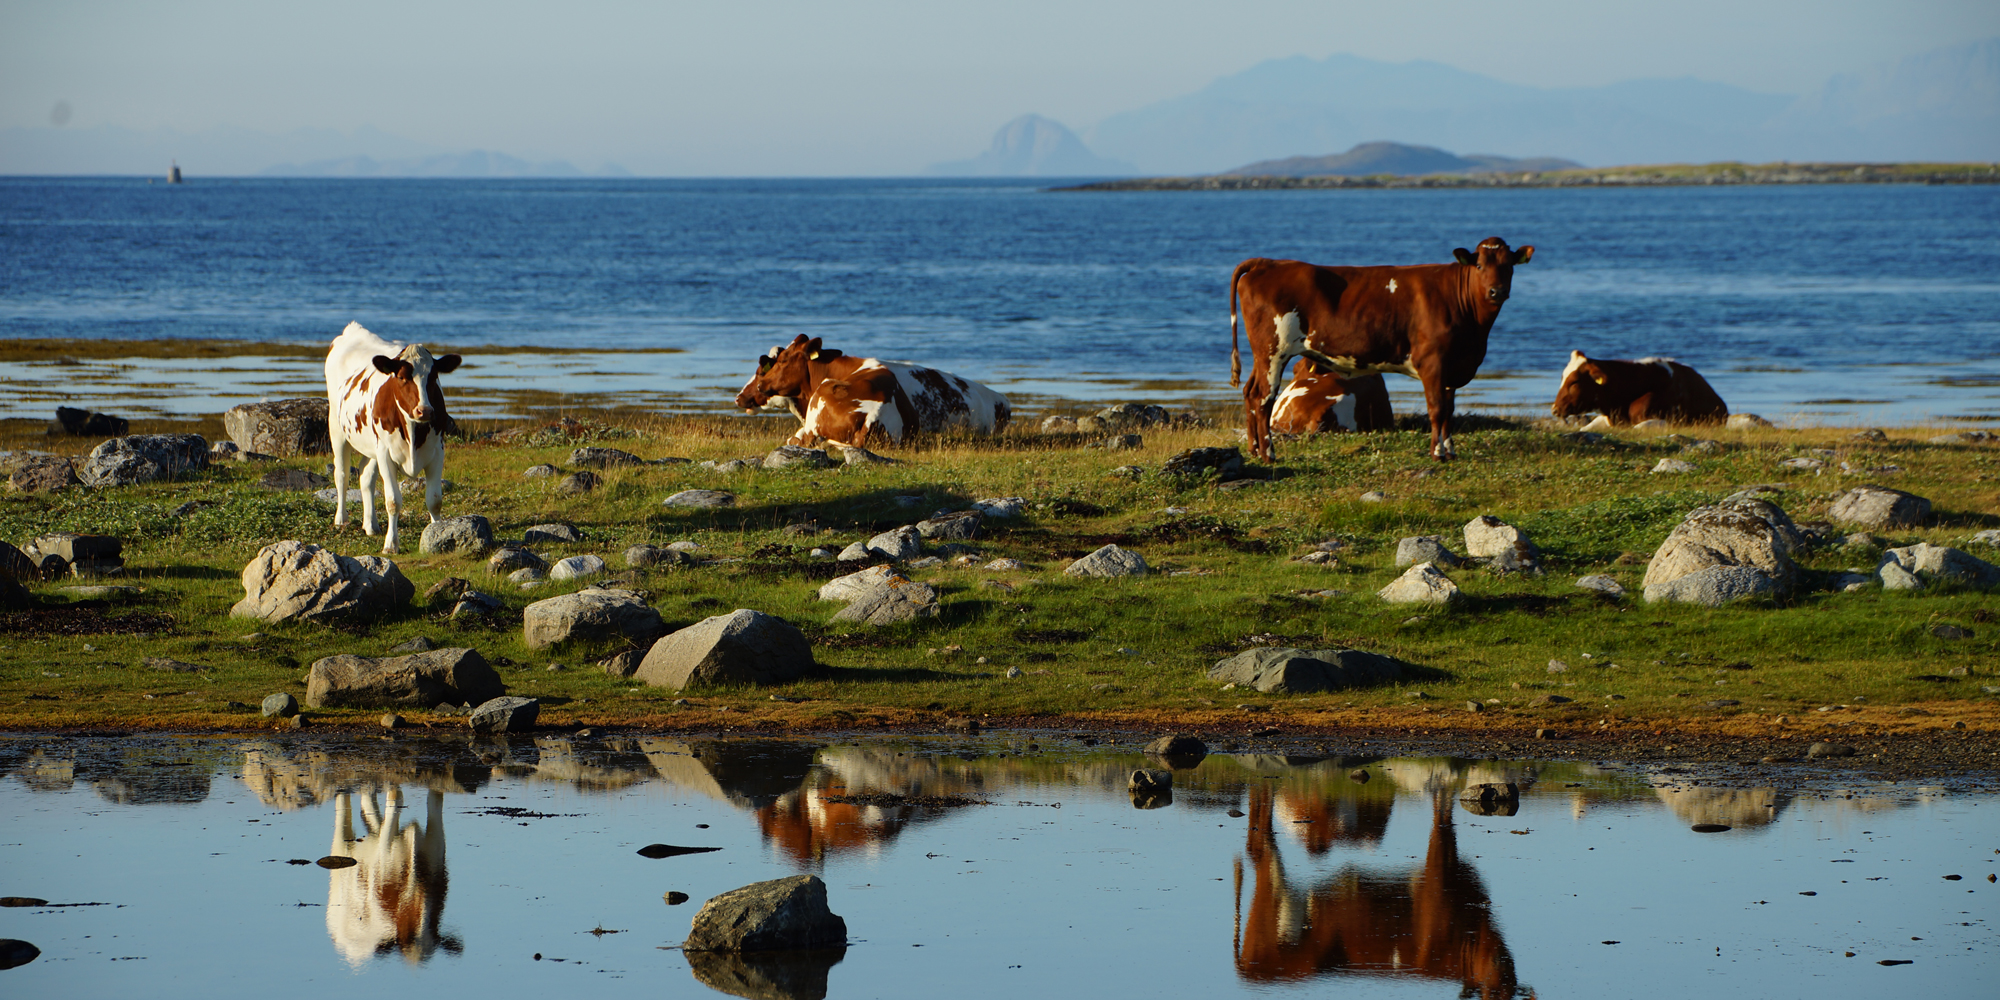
<point x="1599" y="379"/>
<point x="814" y="356"/>
<point x="1464" y="256"/>
<point x="1523" y="255"/>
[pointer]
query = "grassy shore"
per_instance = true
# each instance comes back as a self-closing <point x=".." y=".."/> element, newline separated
<point x="1130" y="652"/>
<point x="1655" y="175"/>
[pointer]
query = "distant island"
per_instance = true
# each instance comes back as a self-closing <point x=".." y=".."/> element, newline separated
<point x="1394" y="165"/>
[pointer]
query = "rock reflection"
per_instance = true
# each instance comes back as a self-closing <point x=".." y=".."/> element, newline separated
<point x="767" y="975"/>
<point x="1433" y="921"/>
<point x="289" y="779"/>
<point x="392" y="898"/>
<point x="1733" y="807"/>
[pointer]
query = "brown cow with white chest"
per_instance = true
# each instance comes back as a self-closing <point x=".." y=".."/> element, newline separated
<point x="1427" y="321"/>
<point x="1627" y="392"/>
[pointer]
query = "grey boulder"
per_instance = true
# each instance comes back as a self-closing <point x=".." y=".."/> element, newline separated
<point x="1740" y="531"/>
<point x="60" y="553"/>
<point x="590" y="615"/>
<point x="43" y="474"/>
<point x="742" y="647"/>
<point x="509" y="558"/>
<point x="552" y="534"/>
<point x="1879" y="507"/>
<point x="577" y="568"/>
<point x="282" y="427"/>
<point x="292" y="579"/>
<point x="1713" y="586"/>
<point x="1222" y="463"/>
<point x="700" y="498"/>
<point x="1283" y="670"/>
<point x="897" y="544"/>
<point x="467" y="533"/>
<point x="1420" y="584"/>
<point x="787" y="456"/>
<point x="956" y="526"/>
<point x="281" y="705"/>
<point x="602" y="458"/>
<point x="1602" y="584"/>
<point x="456" y="676"/>
<point x="1108" y="561"/>
<point x="880" y="596"/>
<point x="653" y="555"/>
<point x="505" y="715"/>
<point x="1913" y="567"/>
<point x="1425" y="549"/>
<point x="782" y="914"/>
<point x="143" y="458"/>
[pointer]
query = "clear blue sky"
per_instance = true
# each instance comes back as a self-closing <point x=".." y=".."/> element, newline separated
<point x="868" y="87"/>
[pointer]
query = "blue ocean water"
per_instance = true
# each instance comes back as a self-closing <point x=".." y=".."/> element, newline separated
<point x="1828" y="303"/>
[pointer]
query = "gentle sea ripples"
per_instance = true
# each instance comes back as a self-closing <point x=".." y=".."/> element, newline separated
<point x="487" y="867"/>
<point x="1790" y="300"/>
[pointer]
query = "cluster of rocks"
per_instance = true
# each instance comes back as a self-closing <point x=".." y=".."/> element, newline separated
<point x="880" y="596"/>
<point x="1489" y="541"/>
<point x="791" y="456"/>
<point x="143" y="458"/>
<point x="1120" y="418"/>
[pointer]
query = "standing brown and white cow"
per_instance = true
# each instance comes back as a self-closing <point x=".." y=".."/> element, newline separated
<point x="1627" y="392"/>
<point x="847" y="399"/>
<point x="384" y="403"/>
<point x="1427" y="321"/>
<point x="1318" y="402"/>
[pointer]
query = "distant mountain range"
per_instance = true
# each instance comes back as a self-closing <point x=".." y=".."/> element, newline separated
<point x="1939" y="106"/>
<point x="1033" y="146"/>
<point x="1373" y="158"/>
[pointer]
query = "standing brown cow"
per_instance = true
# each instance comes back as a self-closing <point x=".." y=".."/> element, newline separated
<point x="1627" y="392"/>
<point x="1427" y="321"/>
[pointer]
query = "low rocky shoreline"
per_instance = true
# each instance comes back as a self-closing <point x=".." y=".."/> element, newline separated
<point x="1647" y="176"/>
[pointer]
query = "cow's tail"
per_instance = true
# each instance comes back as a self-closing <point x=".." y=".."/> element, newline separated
<point x="1235" y="351"/>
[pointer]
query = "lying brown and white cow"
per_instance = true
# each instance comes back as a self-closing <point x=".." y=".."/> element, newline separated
<point x="1318" y="401"/>
<point x="1427" y="321"/>
<point x="847" y="399"/>
<point x="1627" y="392"/>
<point x="384" y="404"/>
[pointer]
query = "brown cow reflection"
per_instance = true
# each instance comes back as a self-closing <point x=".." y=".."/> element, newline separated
<point x="1433" y="921"/>
<point x="390" y="900"/>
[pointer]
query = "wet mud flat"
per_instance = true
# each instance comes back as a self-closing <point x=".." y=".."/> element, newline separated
<point x="994" y="863"/>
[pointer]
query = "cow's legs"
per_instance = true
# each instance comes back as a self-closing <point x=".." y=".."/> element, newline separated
<point x="434" y="486"/>
<point x="392" y="499"/>
<point x="1438" y="397"/>
<point x="339" y="479"/>
<point x="369" y="469"/>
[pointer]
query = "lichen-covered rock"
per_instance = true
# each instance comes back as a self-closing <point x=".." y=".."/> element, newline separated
<point x="639" y="556"/>
<point x="1605" y="585"/>
<point x="1879" y="508"/>
<point x="292" y="579"/>
<point x="456" y="676"/>
<point x="1283" y="670"/>
<point x="897" y="544"/>
<point x="1713" y="586"/>
<point x="43" y="474"/>
<point x="742" y="647"/>
<point x="143" y="458"/>
<point x="602" y="458"/>
<point x="787" y="456"/>
<point x="1745" y="421"/>
<point x="283" y="427"/>
<point x="1738" y="531"/>
<point x="880" y="596"/>
<point x="1425" y="549"/>
<point x="590" y="615"/>
<point x="1223" y="463"/>
<point x="1108" y="561"/>
<point x="1487" y="536"/>
<point x="1420" y="584"/>
<point x="466" y="533"/>
<point x="782" y="914"/>
<point x="959" y="525"/>
<point x="1913" y="567"/>
<point x="509" y="558"/>
<point x="1673" y="465"/>
<point x="1001" y="507"/>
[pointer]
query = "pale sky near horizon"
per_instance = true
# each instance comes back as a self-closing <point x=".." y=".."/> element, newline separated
<point x="870" y="87"/>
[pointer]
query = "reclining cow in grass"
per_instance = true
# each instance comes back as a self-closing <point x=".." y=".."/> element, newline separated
<point x="384" y="404"/>
<point x="846" y="400"/>
<point x="1627" y="392"/>
<point x="1427" y="321"/>
<point x="1319" y="402"/>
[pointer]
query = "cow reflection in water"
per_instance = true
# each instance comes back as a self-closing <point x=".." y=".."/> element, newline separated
<point x="392" y="897"/>
<point x="1431" y="921"/>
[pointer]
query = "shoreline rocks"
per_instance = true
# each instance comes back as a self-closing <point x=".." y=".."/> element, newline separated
<point x="742" y="647"/>
<point x="456" y="676"/>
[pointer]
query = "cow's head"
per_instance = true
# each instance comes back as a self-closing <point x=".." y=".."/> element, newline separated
<point x="1492" y="267"/>
<point x="413" y="384"/>
<point x="784" y="372"/>
<point x="1581" y="389"/>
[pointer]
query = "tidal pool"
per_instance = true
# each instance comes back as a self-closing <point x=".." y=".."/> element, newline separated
<point x="998" y="865"/>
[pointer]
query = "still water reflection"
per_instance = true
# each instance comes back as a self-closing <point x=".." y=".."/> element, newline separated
<point x="975" y="867"/>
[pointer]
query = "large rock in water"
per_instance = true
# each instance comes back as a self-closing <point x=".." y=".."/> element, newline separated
<point x="782" y="914"/>
<point x="1879" y="508"/>
<point x="1300" y="671"/>
<point x="1914" y="566"/>
<point x="143" y="458"/>
<point x="591" y="614"/>
<point x="1739" y="531"/>
<point x="442" y="676"/>
<point x="282" y="427"/>
<point x="742" y="647"/>
<point x="1713" y="586"/>
<point x="299" y="580"/>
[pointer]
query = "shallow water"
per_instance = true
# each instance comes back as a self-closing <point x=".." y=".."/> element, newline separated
<point x="1813" y="304"/>
<point x="474" y="857"/>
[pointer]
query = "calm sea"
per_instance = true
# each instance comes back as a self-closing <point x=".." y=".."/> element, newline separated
<point x="1814" y="304"/>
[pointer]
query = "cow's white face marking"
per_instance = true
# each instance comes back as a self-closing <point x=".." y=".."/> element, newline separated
<point x="1576" y="360"/>
<point x="1392" y="286"/>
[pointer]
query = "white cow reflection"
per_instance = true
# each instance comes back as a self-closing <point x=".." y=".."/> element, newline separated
<point x="393" y="896"/>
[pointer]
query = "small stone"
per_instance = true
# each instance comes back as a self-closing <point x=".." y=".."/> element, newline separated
<point x="1373" y="496"/>
<point x="540" y="471"/>
<point x="1672" y="465"/>
<point x="281" y="705"/>
<point x="392" y="721"/>
<point x="1014" y="672"/>
<point x="602" y="458"/>
<point x="700" y="498"/>
<point x="577" y="568"/>
<point x="676" y="898"/>
<point x="1605" y="585"/>
<point x="1557" y="666"/>
<point x="1473" y="706"/>
<point x="1420" y="584"/>
<point x="420" y="644"/>
<point x="1109" y="561"/>
<point x="577" y="483"/>
<point x="1552" y="699"/>
<point x="504" y="715"/>
<point x="1745" y="421"/>
<point x="1829" y="750"/>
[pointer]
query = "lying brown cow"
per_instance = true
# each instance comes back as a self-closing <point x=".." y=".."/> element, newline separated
<point x="846" y="400"/>
<point x="1319" y="402"/>
<point x="1627" y="392"/>
<point x="1427" y="321"/>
